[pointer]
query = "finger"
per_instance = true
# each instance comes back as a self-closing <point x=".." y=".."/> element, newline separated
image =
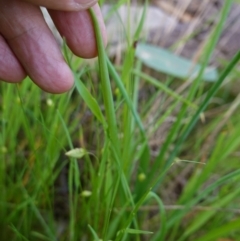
<point x="78" y="30"/>
<point x="10" y="69"/>
<point x="26" y="32"/>
<point x="65" y="5"/>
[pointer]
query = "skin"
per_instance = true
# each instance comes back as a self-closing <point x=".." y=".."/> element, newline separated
<point x="27" y="46"/>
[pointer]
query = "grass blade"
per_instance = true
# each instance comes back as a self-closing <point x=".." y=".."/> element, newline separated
<point x="106" y="87"/>
<point x="203" y="106"/>
<point x="90" y="101"/>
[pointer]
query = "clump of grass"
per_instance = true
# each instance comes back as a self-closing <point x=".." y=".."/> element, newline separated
<point x="110" y="185"/>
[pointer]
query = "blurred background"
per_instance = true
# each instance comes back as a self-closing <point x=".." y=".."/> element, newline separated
<point x="176" y="181"/>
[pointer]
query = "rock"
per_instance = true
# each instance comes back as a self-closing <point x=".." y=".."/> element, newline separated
<point x="118" y="24"/>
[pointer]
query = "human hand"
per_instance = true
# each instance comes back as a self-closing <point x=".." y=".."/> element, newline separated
<point x="27" y="46"/>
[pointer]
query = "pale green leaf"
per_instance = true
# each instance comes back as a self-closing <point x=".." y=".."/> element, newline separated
<point x="167" y="62"/>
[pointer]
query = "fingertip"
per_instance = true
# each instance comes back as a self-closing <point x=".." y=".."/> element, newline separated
<point x="10" y="69"/>
<point x="88" y="49"/>
<point x="34" y="46"/>
<point x="59" y="81"/>
<point x="12" y="74"/>
<point x="17" y="77"/>
<point x="64" y="82"/>
<point x="77" y="28"/>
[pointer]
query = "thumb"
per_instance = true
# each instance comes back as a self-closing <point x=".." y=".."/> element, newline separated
<point x="64" y="5"/>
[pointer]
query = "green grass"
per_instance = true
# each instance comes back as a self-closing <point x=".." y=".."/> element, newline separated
<point x="114" y="183"/>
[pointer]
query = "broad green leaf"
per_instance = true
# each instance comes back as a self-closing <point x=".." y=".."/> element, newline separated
<point x="167" y="62"/>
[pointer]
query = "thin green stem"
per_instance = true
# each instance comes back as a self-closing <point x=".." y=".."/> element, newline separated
<point x="106" y="87"/>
